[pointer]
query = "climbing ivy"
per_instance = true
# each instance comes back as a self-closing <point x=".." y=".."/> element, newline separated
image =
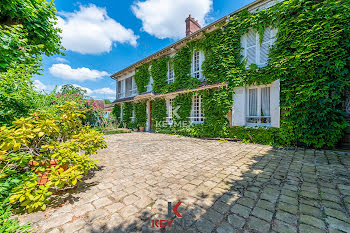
<point x="184" y="104"/>
<point x="116" y="111"/>
<point x="310" y="58"/>
<point x="140" y="113"/>
<point x="182" y="70"/>
<point x="142" y="77"/>
<point x="158" y="111"/>
<point x="159" y="72"/>
<point x="216" y="104"/>
<point x="127" y="114"/>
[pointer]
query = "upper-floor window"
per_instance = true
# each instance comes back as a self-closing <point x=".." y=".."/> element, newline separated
<point x="196" y="66"/>
<point x="126" y="88"/>
<point x="197" y="116"/>
<point x="259" y="107"/>
<point x="254" y="51"/>
<point x="169" y="107"/>
<point x="170" y="73"/>
<point x="120" y="89"/>
<point x="150" y="82"/>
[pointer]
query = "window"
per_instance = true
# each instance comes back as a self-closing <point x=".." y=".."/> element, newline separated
<point x="259" y="110"/>
<point x="197" y="116"/>
<point x="170" y="73"/>
<point x="128" y="87"/>
<point x="120" y="91"/>
<point x="150" y="83"/>
<point x="134" y="87"/>
<point x="132" y="118"/>
<point x="169" y="108"/>
<point x="254" y="52"/>
<point x="196" y="66"/>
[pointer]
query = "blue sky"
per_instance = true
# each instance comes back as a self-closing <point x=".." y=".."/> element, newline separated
<point x="105" y="36"/>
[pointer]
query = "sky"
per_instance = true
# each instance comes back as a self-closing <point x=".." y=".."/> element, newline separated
<point x="101" y="37"/>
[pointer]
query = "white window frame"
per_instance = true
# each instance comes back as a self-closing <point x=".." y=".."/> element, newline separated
<point x="258" y="51"/>
<point x="121" y="94"/>
<point x="133" y="87"/>
<point x="196" y="65"/>
<point x="259" y="117"/>
<point x="132" y="118"/>
<point x="150" y="83"/>
<point x="171" y="74"/>
<point x="169" y="109"/>
<point x="197" y="116"/>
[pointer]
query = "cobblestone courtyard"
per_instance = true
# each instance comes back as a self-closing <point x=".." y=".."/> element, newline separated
<point x="223" y="187"/>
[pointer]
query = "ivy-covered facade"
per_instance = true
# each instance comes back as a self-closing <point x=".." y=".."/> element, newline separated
<point x="274" y="72"/>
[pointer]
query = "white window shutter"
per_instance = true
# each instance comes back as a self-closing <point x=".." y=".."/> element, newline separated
<point x="239" y="106"/>
<point x="265" y="47"/>
<point x="251" y="47"/>
<point x="275" y="104"/>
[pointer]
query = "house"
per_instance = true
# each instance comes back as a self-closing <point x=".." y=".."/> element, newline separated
<point x="254" y="103"/>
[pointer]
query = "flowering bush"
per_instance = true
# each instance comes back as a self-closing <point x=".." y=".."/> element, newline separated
<point x="56" y="144"/>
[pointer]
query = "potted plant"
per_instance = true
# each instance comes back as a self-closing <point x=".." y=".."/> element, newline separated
<point x="43" y="177"/>
<point x="142" y="128"/>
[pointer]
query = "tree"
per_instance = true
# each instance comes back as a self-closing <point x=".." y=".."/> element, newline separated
<point x="69" y="89"/>
<point x="27" y="30"/>
<point x="108" y="102"/>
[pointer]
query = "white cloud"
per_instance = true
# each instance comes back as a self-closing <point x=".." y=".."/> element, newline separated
<point x="105" y="90"/>
<point x="88" y="90"/>
<point x="166" y="18"/>
<point x="91" y="31"/>
<point x="39" y="86"/>
<point x="80" y="74"/>
<point x="62" y="60"/>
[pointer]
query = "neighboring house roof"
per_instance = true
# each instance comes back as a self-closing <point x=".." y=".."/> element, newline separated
<point x="179" y="44"/>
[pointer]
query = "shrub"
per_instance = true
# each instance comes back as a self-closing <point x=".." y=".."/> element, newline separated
<point x="46" y="136"/>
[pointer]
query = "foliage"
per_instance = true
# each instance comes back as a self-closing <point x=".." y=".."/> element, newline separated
<point x="69" y="89"/>
<point x="182" y="70"/>
<point x="40" y="139"/>
<point x="310" y="57"/>
<point x="127" y="114"/>
<point x="17" y="94"/>
<point x="158" y="111"/>
<point x="159" y="71"/>
<point x="8" y="225"/>
<point x="107" y="101"/>
<point x="140" y="113"/>
<point x="216" y="104"/>
<point x="142" y="77"/>
<point x="27" y="30"/>
<point x="116" y="111"/>
<point x="185" y="103"/>
<point x="91" y="108"/>
<point x="259" y="135"/>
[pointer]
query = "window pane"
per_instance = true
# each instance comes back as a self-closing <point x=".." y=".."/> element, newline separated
<point x="128" y="86"/>
<point x="253" y="102"/>
<point x="119" y="88"/>
<point x="265" y="101"/>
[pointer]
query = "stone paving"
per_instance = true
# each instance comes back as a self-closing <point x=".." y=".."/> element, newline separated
<point x="223" y="187"/>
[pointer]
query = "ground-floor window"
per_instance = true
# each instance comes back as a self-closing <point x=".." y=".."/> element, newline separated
<point x="169" y="107"/>
<point x="132" y="118"/>
<point x="197" y="116"/>
<point x="258" y="106"/>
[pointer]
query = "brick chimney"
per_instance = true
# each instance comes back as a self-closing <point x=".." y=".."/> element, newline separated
<point x="192" y="25"/>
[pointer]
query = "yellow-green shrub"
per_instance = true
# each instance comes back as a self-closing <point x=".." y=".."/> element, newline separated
<point x="57" y="135"/>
